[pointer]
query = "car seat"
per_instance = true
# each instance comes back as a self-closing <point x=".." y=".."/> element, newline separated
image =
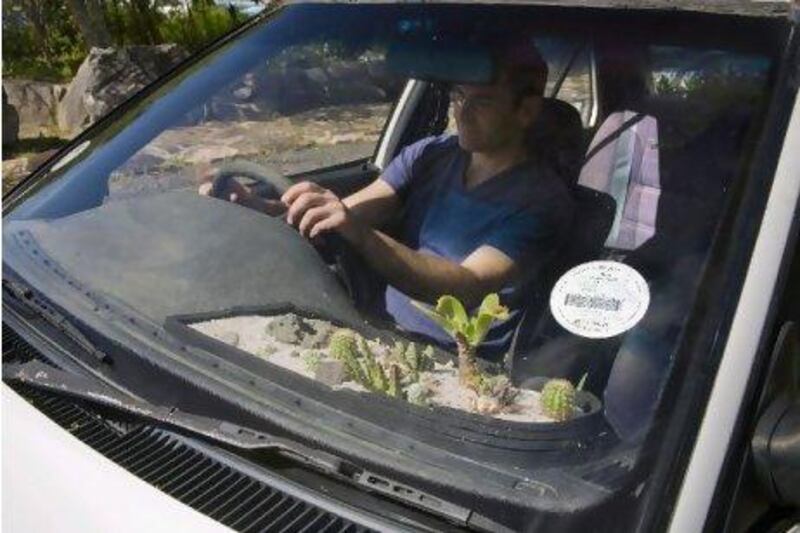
<point x="661" y="210"/>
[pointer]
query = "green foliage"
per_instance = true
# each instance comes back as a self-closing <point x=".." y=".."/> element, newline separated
<point x="42" y="41"/>
<point x="343" y="346"/>
<point x="50" y="49"/>
<point x="558" y="399"/>
<point x="401" y="367"/>
<point x="450" y="314"/>
<point x="411" y="361"/>
<point x="312" y="360"/>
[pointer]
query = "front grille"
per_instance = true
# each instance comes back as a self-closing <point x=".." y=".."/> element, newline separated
<point x="179" y="466"/>
<point x="17" y="351"/>
<point x="190" y="474"/>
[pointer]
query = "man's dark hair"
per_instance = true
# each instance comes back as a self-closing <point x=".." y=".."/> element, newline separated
<point x="520" y="64"/>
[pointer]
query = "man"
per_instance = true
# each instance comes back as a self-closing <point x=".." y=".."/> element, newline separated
<point x="480" y="211"/>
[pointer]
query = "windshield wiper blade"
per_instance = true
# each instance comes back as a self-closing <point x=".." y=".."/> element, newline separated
<point x="26" y="297"/>
<point x="44" y="377"/>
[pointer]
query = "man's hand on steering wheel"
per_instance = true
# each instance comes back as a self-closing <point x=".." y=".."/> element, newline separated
<point x="314" y="210"/>
<point x="236" y="193"/>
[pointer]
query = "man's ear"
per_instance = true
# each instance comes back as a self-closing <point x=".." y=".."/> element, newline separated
<point x="529" y="109"/>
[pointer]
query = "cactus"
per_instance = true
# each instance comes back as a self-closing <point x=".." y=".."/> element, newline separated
<point x="418" y="394"/>
<point x="468" y="332"/>
<point x="394" y="389"/>
<point x="558" y="399"/>
<point x="376" y="379"/>
<point x="343" y="345"/>
<point x="312" y="360"/>
<point x="411" y="361"/>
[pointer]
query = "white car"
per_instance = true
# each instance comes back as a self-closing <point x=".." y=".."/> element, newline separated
<point x="672" y="297"/>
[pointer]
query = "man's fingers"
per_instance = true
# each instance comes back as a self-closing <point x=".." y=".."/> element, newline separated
<point x="324" y="225"/>
<point x="234" y="197"/>
<point x="298" y="189"/>
<point x="312" y="217"/>
<point x="205" y="189"/>
<point x="303" y="203"/>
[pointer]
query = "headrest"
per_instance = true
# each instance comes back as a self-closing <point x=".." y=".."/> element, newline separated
<point x="558" y="138"/>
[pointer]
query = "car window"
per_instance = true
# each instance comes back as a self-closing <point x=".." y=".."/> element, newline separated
<point x="311" y="106"/>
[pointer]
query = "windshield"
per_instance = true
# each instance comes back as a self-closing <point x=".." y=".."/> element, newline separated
<point x="560" y="180"/>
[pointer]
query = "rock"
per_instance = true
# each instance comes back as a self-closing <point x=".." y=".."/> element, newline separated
<point x="287" y="328"/>
<point x="293" y="329"/>
<point x="10" y="122"/>
<point x="13" y="171"/>
<point x="207" y="154"/>
<point x="36" y="103"/>
<point x="318" y="335"/>
<point x="331" y="372"/>
<point x="230" y="337"/>
<point x="108" y="77"/>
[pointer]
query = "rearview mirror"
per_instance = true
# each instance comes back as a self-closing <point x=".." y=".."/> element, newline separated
<point x="441" y="62"/>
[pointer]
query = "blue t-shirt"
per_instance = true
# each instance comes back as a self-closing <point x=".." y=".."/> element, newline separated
<point x="523" y="212"/>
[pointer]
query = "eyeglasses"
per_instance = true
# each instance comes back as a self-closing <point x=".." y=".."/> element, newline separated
<point x="479" y="103"/>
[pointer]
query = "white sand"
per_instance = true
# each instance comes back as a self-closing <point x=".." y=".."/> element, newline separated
<point x="442" y="381"/>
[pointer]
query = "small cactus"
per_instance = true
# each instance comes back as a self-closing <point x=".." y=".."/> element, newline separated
<point x="394" y="389"/>
<point x="418" y="394"/>
<point x="411" y="361"/>
<point x="312" y="359"/>
<point x="376" y="378"/>
<point x="343" y="345"/>
<point x="558" y="399"/>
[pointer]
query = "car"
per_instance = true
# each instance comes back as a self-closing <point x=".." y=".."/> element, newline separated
<point x="136" y="397"/>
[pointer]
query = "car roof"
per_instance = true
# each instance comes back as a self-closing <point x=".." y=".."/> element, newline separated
<point x="750" y="8"/>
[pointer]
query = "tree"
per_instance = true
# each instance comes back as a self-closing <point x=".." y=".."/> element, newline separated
<point x="89" y="15"/>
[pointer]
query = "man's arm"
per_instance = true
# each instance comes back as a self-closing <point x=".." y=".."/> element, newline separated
<point x="314" y="211"/>
<point x="426" y="277"/>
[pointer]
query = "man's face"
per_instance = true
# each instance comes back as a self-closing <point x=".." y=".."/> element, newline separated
<point x="489" y="117"/>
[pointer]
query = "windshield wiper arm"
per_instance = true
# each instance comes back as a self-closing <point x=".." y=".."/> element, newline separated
<point x="26" y="297"/>
<point x="45" y="377"/>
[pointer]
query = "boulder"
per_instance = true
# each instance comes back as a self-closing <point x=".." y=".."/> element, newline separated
<point x="10" y="122"/>
<point x="108" y="77"/>
<point x="36" y="103"/>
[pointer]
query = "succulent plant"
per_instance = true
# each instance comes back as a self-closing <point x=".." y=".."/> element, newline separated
<point x="411" y="361"/>
<point x="558" y="399"/>
<point x="468" y="332"/>
<point x="376" y="379"/>
<point x="394" y="389"/>
<point x="418" y="394"/>
<point x="312" y="359"/>
<point x="343" y="345"/>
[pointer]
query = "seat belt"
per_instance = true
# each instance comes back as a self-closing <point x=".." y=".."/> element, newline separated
<point x="638" y="117"/>
<point x="620" y="179"/>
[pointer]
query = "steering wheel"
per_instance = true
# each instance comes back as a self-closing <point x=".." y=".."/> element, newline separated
<point x="348" y="262"/>
<point x="275" y="182"/>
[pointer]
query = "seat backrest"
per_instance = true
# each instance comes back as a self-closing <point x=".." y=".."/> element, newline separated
<point x="558" y="138"/>
<point x="627" y="168"/>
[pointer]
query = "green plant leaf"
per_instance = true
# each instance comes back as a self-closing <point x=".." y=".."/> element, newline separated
<point x="446" y="314"/>
<point x="449" y="306"/>
<point x="480" y="327"/>
<point x="491" y="306"/>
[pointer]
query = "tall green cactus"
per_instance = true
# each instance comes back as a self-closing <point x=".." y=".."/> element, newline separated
<point x="362" y="365"/>
<point x="343" y="345"/>
<point x="468" y="332"/>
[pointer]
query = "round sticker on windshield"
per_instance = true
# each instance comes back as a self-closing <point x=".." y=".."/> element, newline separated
<point x="600" y="299"/>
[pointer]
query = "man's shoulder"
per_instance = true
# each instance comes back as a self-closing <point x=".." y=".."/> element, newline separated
<point x="434" y="143"/>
